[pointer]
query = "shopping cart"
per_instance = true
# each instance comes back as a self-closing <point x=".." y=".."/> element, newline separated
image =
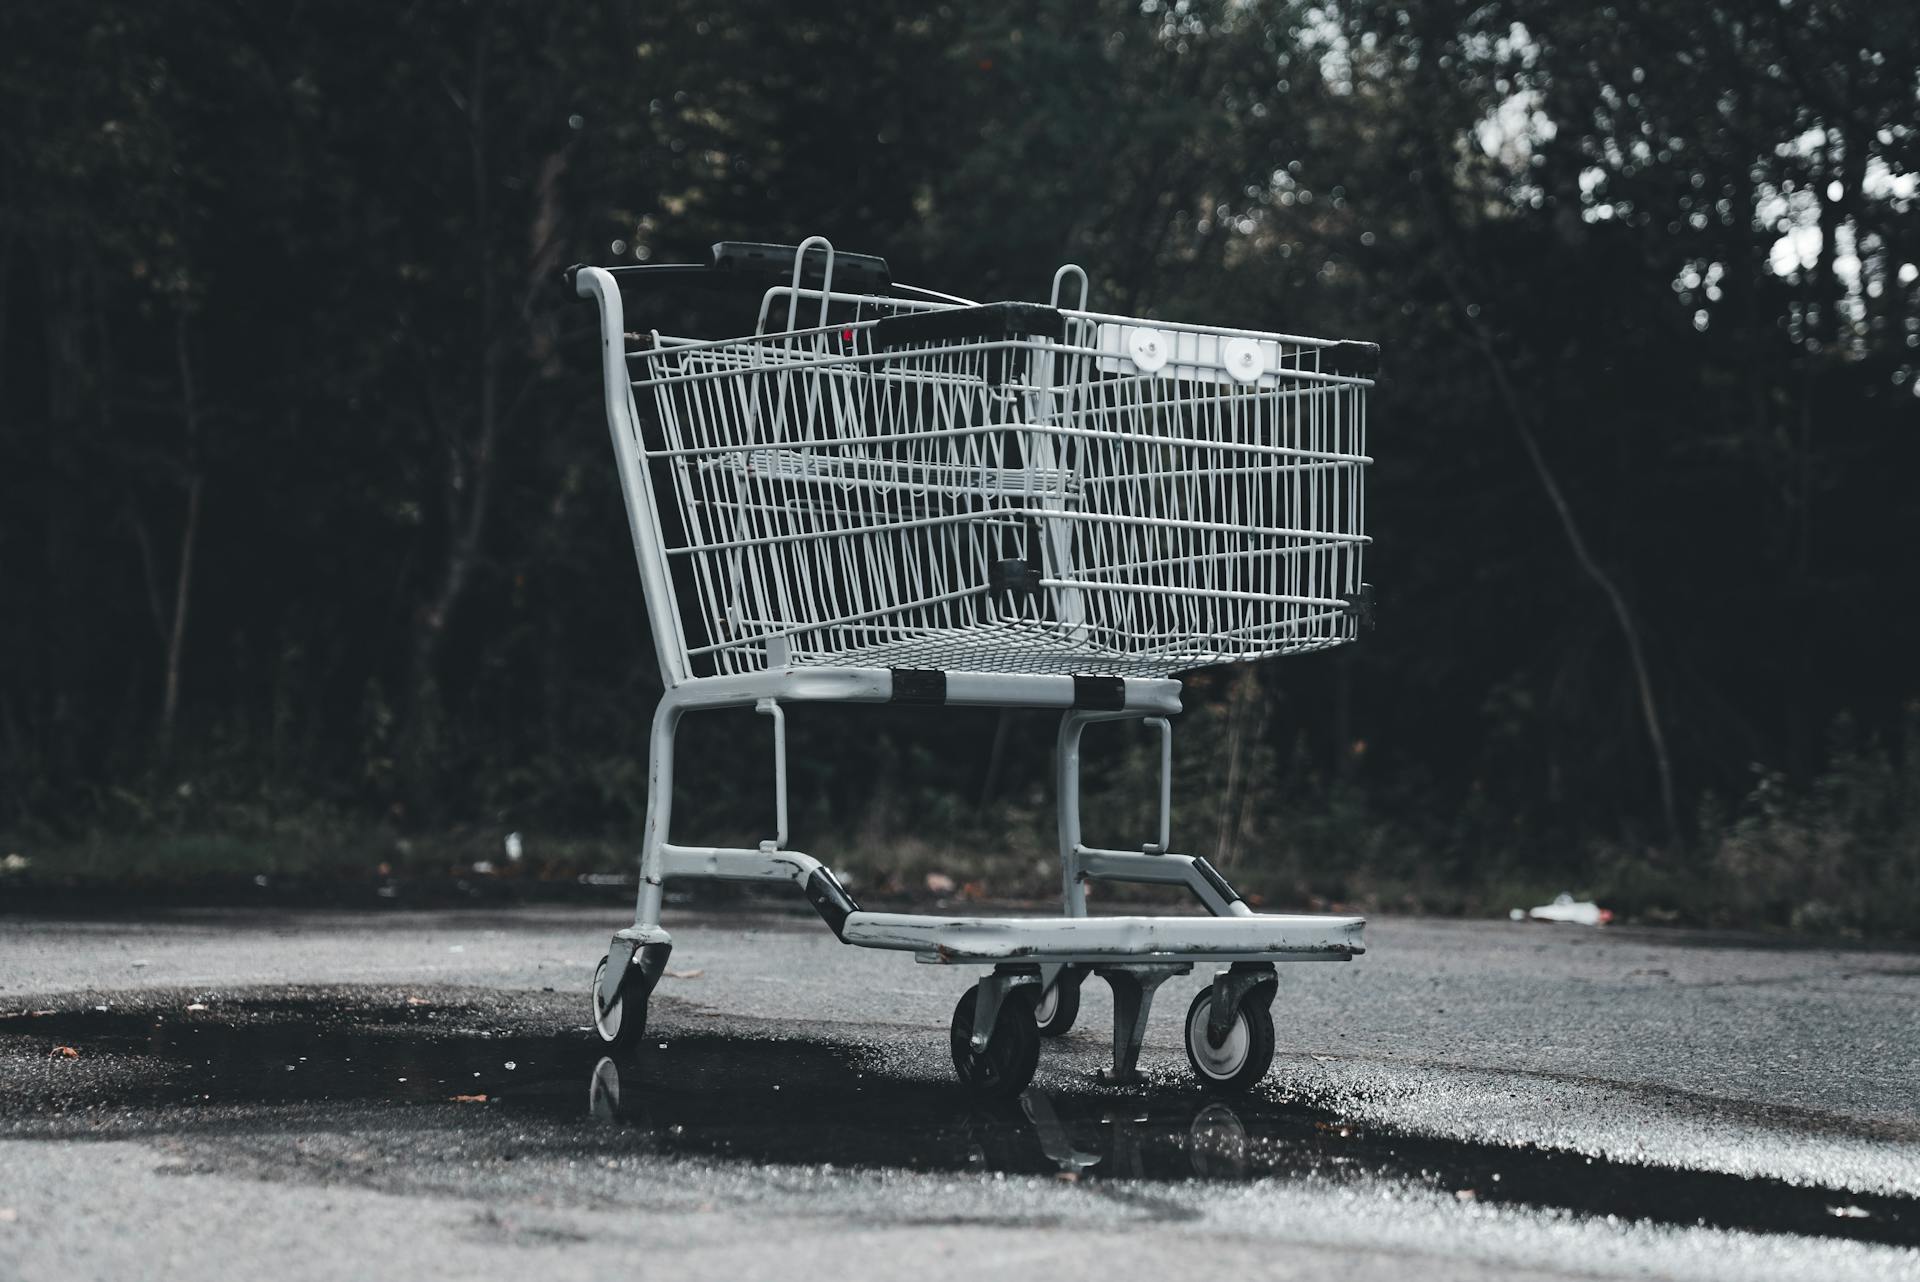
<point x="911" y="498"/>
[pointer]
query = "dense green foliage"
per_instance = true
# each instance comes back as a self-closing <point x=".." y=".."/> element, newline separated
<point x="309" y="534"/>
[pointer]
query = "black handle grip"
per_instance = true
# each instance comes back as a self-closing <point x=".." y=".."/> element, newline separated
<point x="739" y="264"/>
<point x="1348" y="357"/>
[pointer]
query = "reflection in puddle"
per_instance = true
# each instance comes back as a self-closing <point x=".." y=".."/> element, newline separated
<point x="1162" y="1139"/>
<point x="801" y="1101"/>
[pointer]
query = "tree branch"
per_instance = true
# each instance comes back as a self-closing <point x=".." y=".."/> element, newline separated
<point x="1576" y="540"/>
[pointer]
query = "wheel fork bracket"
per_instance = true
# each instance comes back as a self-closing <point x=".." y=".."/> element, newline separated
<point x="1230" y="988"/>
<point x="646" y="958"/>
<point x="1133" y="988"/>
<point x="992" y="993"/>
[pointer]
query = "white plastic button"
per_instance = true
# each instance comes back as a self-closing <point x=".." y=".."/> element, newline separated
<point x="1243" y="359"/>
<point x="1148" y="347"/>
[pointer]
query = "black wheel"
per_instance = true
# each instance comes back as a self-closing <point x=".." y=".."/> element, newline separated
<point x="1003" y="1070"/>
<point x="1056" y="1010"/>
<point x="620" y="1023"/>
<point x="1246" y="1054"/>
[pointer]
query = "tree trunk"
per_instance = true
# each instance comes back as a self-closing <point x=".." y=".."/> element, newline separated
<point x="996" y="755"/>
<point x="6" y="268"/>
<point x="189" y="540"/>
<point x="1343" y="754"/>
<point x="470" y="463"/>
<point x="1616" y="600"/>
<point x="1824" y="289"/>
<point x="1240" y="695"/>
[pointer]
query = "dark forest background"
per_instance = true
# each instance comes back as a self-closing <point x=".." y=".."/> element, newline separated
<point x="312" y="555"/>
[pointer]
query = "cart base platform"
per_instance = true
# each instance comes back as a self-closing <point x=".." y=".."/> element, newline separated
<point x="1091" y="940"/>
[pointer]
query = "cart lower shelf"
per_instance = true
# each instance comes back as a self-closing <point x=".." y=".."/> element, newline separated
<point x="1093" y="940"/>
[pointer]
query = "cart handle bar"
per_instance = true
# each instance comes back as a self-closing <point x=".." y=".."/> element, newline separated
<point x="749" y="265"/>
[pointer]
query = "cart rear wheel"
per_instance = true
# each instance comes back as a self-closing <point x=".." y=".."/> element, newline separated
<point x="622" y="1022"/>
<point x="1246" y="1053"/>
<point x="1007" y="1065"/>
<point x="1059" y="1006"/>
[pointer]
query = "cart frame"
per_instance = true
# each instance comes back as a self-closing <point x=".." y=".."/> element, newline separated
<point x="1039" y="960"/>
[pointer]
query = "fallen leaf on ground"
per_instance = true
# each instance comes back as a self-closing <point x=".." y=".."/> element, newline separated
<point x="418" y="1001"/>
<point x="196" y="1005"/>
<point x="469" y="1099"/>
<point x="685" y="974"/>
<point x="66" y="1052"/>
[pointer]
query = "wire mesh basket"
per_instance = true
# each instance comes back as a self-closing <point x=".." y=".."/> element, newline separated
<point x="1007" y="488"/>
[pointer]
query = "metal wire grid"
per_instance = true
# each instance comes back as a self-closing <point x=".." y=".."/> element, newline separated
<point x="835" y="502"/>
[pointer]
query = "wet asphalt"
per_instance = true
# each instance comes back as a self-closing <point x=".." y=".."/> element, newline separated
<point x="415" y="1094"/>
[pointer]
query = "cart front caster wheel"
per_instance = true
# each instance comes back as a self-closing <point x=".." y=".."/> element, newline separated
<point x="1056" y="1010"/>
<point x="1004" y="1069"/>
<point x="620" y="1023"/>
<point x="1246" y="1053"/>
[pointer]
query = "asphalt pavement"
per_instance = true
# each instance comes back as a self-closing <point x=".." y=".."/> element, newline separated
<point x="416" y="1095"/>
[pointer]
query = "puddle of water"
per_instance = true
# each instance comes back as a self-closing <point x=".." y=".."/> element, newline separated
<point x="793" y="1100"/>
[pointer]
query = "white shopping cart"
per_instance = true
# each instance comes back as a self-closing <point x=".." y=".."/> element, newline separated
<point x="915" y="499"/>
